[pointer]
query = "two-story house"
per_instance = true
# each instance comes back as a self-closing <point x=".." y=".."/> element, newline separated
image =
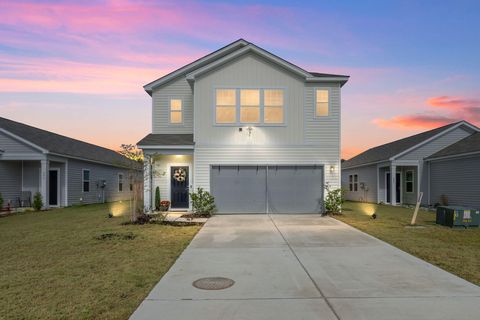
<point x="258" y="132"/>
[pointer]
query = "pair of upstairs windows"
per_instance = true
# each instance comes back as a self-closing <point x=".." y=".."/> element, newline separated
<point x="249" y="106"/>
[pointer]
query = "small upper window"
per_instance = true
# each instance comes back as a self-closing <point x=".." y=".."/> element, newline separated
<point x="176" y="115"/>
<point x="226" y="106"/>
<point x="409" y="181"/>
<point x="322" y="104"/>
<point x="250" y="106"/>
<point x="273" y="106"/>
<point x="120" y="182"/>
<point x="86" y="180"/>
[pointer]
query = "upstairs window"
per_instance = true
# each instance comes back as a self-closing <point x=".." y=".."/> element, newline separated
<point x="120" y="182"/>
<point x="322" y="103"/>
<point x="86" y="180"/>
<point x="273" y="106"/>
<point x="176" y="110"/>
<point x="353" y="182"/>
<point x="250" y="106"/>
<point x="409" y="181"/>
<point x="226" y="106"/>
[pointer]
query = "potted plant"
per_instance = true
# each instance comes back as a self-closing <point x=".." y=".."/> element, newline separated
<point x="164" y="205"/>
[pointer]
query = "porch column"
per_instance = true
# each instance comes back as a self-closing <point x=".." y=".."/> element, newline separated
<point x="44" y="164"/>
<point x="147" y="184"/>
<point x="393" y="185"/>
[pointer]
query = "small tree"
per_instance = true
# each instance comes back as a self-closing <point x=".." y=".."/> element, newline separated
<point x="203" y="203"/>
<point x="136" y="199"/>
<point x="334" y="200"/>
<point x="157" y="198"/>
<point x="1" y="201"/>
<point x="37" y="201"/>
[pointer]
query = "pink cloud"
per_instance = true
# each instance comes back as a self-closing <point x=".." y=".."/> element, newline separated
<point x="453" y="103"/>
<point x="418" y="121"/>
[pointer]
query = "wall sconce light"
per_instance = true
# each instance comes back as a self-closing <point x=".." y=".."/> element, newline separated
<point x="249" y="129"/>
<point x="332" y="169"/>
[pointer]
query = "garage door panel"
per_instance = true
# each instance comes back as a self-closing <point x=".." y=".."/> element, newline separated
<point x="239" y="189"/>
<point x="295" y="189"/>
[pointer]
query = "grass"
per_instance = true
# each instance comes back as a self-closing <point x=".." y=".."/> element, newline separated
<point x="75" y="263"/>
<point x="454" y="250"/>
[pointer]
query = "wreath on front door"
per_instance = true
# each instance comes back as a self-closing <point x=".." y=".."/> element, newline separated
<point x="179" y="175"/>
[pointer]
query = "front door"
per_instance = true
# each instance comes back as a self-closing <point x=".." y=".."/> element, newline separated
<point x="53" y="188"/>
<point x="397" y="185"/>
<point x="179" y="180"/>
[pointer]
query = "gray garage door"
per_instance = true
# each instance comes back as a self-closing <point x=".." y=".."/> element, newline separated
<point x="273" y="189"/>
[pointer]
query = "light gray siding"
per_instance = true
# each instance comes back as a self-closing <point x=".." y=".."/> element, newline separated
<point x="14" y="146"/>
<point x="437" y="144"/>
<point x="178" y="89"/>
<point x="10" y="181"/>
<point x="366" y="175"/>
<point x="458" y="179"/>
<point x="31" y="176"/>
<point x="409" y="197"/>
<point x="97" y="172"/>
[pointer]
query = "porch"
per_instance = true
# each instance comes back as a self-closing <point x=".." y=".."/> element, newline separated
<point x="21" y="179"/>
<point x="406" y="182"/>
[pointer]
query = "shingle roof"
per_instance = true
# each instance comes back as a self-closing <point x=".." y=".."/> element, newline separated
<point x="386" y="151"/>
<point x="467" y="145"/>
<point x="167" y="140"/>
<point x="58" y="144"/>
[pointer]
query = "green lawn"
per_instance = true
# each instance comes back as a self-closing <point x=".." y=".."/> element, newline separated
<point x="52" y="266"/>
<point x="454" y="250"/>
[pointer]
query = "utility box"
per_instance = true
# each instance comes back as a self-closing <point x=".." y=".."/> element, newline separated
<point x="454" y="216"/>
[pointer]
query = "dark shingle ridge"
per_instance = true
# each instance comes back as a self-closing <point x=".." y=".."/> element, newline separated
<point x="63" y="145"/>
<point x="388" y="150"/>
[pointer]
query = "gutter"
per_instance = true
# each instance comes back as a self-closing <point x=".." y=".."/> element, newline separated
<point x="452" y="156"/>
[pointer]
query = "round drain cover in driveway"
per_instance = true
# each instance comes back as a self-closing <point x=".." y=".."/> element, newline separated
<point x="213" y="283"/>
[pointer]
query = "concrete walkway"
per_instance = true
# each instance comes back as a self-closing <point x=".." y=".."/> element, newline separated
<point x="304" y="267"/>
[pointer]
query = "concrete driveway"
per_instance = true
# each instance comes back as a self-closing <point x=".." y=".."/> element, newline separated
<point x="304" y="267"/>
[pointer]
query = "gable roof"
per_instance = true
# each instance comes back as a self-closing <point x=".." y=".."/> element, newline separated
<point x="386" y="151"/>
<point x="166" y="140"/>
<point x="49" y="142"/>
<point x="468" y="145"/>
<point x="231" y="51"/>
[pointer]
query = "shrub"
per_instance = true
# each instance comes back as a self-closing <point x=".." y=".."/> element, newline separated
<point x="1" y="201"/>
<point x="157" y="198"/>
<point x="334" y="200"/>
<point x="203" y="202"/>
<point x="37" y="201"/>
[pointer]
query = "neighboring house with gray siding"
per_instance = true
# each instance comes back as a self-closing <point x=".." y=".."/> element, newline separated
<point x="366" y="177"/>
<point x="64" y="170"/>
<point x="258" y="132"/>
<point x="454" y="173"/>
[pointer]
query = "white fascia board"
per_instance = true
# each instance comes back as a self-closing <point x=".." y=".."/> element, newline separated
<point x="179" y="147"/>
<point x="23" y="140"/>
<point x="365" y="164"/>
<point x="23" y="156"/>
<point x="327" y="79"/>
<point x="152" y="85"/>
<point x="452" y="156"/>
<point x="191" y="76"/>
<point x="462" y="123"/>
<point x="92" y="161"/>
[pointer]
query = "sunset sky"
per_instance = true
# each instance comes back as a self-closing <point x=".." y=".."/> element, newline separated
<point x="78" y="67"/>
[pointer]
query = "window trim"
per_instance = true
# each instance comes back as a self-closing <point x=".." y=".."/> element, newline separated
<point x="170" y="111"/>
<point x="262" y="123"/>
<point x="83" y="180"/>
<point x="413" y="182"/>
<point x="315" y="116"/>
<point x="118" y="182"/>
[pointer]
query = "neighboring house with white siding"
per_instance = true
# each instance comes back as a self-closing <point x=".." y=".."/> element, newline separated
<point x="64" y="170"/>
<point x="260" y="133"/>
<point x="366" y="177"/>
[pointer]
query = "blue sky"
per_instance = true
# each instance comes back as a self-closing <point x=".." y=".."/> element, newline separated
<point x="78" y="68"/>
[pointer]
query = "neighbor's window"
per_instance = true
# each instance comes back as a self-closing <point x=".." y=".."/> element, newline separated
<point x="250" y="106"/>
<point x="226" y="106"/>
<point x="350" y="182"/>
<point x="355" y="182"/>
<point x="176" y="111"/>
<point x="120" y="182"/>
<point x="321" y="106"/>
<point x="273" y="106"/>
<point x="86" y="180"/>
<point x="131" y="183"/>
<point x="409" y="181"/>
